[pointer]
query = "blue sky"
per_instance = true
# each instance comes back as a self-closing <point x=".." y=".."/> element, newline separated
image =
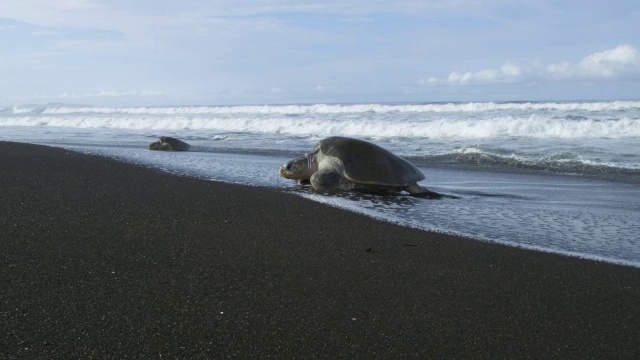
<point x="160" y="52"/>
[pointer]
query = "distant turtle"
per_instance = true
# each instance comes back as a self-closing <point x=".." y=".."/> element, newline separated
<point x="351" y="164"/>
<point x="169" y="143"/>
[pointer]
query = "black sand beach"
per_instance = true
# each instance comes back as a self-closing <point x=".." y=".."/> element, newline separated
<point x="101" y="259"/>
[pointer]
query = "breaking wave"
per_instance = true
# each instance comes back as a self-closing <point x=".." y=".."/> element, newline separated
<point x="470" y="107"/>
<point x="444" y="128"/>
<point x="557" y="163"/>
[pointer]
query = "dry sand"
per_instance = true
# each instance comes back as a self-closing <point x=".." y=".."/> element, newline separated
<point x="110" y="260"/>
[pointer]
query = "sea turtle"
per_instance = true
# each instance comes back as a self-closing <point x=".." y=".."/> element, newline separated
<point x="352" y="164"/>
<point x="169" y="143"/>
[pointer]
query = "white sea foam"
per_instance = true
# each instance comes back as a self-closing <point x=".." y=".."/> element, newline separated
<point x="471" y="107"/>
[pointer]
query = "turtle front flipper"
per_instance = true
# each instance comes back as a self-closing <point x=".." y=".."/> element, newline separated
<point x="327" y="180"/>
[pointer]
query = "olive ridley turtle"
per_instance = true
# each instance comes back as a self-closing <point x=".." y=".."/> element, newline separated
<point x="169" y="143"/>
<point x="351" y="164"/>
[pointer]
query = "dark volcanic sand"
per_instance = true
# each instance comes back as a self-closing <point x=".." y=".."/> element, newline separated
<point x="105" y="259"/>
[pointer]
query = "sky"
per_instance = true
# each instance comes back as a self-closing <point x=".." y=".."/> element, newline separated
<point x="199" y="52"/>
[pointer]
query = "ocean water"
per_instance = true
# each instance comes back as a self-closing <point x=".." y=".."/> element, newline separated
<point x="560" y="177"/>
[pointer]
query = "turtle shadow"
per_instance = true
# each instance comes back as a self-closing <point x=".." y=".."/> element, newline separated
<point x="399" y="198"/>
<point x="482" y="194"/>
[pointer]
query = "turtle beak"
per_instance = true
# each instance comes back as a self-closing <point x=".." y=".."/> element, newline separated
<point x="284" y="170"/>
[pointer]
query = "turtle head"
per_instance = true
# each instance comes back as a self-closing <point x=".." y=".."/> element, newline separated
<point x="300" y="168"/>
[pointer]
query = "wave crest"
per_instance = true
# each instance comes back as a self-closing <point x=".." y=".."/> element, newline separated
<point x="559" y="163"/>
<point x="531" y="127"/>
<point x="471" y="107"/>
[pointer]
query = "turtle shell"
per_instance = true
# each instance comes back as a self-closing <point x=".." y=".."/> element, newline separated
<point x="175" y="143"/>
<point x="367" y="163"/>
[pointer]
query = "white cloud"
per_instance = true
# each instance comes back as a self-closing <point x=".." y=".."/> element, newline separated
<point x="623" y="60"/>
<point x="507" y="73"/>
<point x="559" y="70"/>
<point x="620" y="62"/>
<point x="511" y="70"/>
<point x="430" y="81"/>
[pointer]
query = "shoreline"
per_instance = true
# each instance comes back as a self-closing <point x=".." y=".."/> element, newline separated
<point x="102" y="258"/>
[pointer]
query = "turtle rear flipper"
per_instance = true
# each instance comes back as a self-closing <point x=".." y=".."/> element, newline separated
<point x="419" y="191"/>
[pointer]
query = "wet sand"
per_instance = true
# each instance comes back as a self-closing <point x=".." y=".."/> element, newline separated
<point x="110" y="260"/>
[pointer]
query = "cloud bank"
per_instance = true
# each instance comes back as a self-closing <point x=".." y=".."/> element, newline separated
<point x="614" y="64"/>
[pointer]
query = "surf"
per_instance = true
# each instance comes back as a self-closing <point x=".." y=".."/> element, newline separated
<point x="465" y="107"/>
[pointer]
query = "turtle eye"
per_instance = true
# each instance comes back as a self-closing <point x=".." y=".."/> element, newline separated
<point x="288" y="167"/>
